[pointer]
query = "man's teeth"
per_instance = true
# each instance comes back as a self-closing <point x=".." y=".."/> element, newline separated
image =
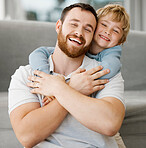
<point x="104" y="38"/>
<point x="73" y="39"/>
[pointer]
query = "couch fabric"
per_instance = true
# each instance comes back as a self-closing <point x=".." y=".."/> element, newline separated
<point x="19" y="38"/>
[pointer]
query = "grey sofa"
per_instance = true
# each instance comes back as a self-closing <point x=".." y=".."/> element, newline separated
<point x="18" y="39"/>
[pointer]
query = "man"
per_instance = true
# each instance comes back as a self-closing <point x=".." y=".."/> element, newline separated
<point x="71" y="119"/>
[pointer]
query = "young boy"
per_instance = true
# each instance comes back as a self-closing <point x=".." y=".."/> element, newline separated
<point x="112" y="29"/>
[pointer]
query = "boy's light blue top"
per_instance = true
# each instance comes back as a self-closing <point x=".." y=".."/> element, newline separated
<point x="109" y="58"/>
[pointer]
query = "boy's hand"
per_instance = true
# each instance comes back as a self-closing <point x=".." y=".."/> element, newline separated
<point x="46" y="100"/>
<point x="87" y="82"/>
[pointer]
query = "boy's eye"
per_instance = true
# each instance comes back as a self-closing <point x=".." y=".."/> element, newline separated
<point x="103" y="24"/>
<point x="116" y="31"/>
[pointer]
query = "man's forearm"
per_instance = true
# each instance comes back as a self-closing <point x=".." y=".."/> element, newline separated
<point x="102" y="115"/>
<point x="98" y="115"/>
<point x="38" y="124"/>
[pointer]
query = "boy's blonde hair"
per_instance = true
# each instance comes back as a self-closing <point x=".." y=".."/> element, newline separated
<point x="119" y="14"/>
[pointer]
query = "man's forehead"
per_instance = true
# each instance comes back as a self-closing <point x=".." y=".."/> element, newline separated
<point x="81" y="15"/>
<point x="76" y="12"/>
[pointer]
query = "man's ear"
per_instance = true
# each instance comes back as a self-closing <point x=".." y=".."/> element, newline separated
<point x="58" y="25"/>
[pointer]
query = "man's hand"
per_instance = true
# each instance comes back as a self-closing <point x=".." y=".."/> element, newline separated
<point x="45" y="84"/>
<point x="87" y="82"/>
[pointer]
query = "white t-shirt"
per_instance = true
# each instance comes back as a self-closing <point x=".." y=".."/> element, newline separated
<point x="71" y="133"/>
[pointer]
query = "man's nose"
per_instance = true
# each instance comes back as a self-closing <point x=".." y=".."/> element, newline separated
<point x="79" y="32"/>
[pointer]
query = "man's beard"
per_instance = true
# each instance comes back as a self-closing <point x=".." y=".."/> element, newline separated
<point x="74" y="52"/>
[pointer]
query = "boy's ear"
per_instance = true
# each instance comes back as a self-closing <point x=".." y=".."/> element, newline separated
<point x="58" y="25"/>
<point x="119" y="43"/>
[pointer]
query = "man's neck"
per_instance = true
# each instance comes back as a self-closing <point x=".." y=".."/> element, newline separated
<point x="63" y="64"/>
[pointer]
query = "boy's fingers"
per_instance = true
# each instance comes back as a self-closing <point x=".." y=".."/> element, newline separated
<point x="45" y="103"/>
<point x="49" y="99"/>
<point x="53" y="97"/>
<point x="44" y="99"/>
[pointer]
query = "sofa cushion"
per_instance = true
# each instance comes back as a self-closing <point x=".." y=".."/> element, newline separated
<point x="133" y="129"/>
<point x="134" y="61"/>
<point x="17" y="40"/>
<point x="7" y="136"/>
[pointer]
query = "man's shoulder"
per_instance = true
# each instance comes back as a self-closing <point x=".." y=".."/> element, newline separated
<point x="89" y="63"/>
<point x="23" y="71"/>
<point x="117" y="76"/>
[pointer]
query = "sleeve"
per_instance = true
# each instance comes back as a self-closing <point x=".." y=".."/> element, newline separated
<point x="38" y="59"/>
<point x="110" y="59"/>
<point x="114" y="88"/>
<point x="18" y="92"/>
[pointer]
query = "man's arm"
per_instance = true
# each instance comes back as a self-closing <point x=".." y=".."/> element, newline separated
<point x="31" y="123"/>
<point x="103" y="115"/>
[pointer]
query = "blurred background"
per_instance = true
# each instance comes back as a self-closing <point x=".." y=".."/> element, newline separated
<point x="50" y="10"/>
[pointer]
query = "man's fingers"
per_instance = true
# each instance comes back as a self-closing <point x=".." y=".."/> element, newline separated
<point x="39" y="73"/>
<point x="33" y="84"/>
<point x="100" y="82"/>
<point x="34" y="78"/>
<point x="35" y="91"/>
<point x="97" y="88"/>
<point x="100" y="74"/>
<point x="94" y="70"/>
<point x="79" y="70"/>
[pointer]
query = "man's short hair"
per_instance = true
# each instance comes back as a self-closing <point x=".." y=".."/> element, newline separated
<point x="83" y="6"/>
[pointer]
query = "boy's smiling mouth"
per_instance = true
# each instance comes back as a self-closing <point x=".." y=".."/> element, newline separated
<point x="103" y="37"/>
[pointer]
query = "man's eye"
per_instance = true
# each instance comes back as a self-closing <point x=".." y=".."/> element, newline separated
<point x="88" y="30"/>
<point x="74" y="25"/>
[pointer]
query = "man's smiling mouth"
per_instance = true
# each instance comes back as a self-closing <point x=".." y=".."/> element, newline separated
<point x="75" y="40"/>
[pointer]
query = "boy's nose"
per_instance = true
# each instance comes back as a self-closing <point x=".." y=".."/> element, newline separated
<point x="108" y="32"/>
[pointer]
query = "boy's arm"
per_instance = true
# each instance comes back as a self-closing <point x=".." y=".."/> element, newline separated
<point x="38" y="59"/>
<point x="110" y="59"/>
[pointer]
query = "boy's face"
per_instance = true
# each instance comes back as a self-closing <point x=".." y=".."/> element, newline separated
<point x="76" y="32"/>
<point x="108" y="33"/>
